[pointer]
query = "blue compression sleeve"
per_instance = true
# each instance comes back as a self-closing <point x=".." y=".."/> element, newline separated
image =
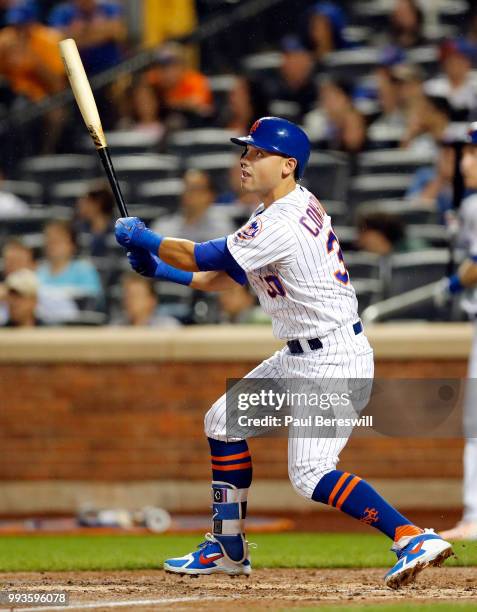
<point x="174" y="275"/>
<point x="215" y="255"/>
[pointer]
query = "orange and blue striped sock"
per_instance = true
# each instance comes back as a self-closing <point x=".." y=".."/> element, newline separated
<point x="354" y="496"/>
<point x="231" y="479"/>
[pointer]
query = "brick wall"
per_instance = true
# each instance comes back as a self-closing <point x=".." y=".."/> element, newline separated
<point x="110" y="422"/>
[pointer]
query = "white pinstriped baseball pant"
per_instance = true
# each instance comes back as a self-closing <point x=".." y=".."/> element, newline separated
<point x="343" y="356"/>
<point x="470" y="448"/>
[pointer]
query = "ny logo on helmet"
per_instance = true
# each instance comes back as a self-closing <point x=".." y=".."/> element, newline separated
<point x="254" y="126"/>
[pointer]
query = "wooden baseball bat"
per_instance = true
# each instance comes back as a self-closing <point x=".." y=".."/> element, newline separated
<point x="87" y="105"/>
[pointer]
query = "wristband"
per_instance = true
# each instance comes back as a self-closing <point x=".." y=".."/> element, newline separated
<point x="150" y="241"/>
<point x="455" y="285"/>
<point x="174" y="275"/>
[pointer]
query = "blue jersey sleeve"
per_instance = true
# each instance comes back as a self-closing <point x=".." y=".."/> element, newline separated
<point x="215" y="255"/>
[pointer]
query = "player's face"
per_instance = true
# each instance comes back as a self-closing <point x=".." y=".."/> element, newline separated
<point x="263" y="171"/>
<point x="469" y="166"/>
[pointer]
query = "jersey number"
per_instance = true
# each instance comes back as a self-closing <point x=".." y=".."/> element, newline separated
<point x="275" y="286"/>
<point x="333" y="246"/>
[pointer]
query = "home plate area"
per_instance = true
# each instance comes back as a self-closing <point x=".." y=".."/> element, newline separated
<point x="266" y="589"/>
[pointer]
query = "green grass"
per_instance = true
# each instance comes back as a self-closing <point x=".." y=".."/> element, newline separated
<point x="116" y="552"/>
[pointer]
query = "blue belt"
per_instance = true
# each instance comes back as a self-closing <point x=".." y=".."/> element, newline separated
<point x="315" y="343"/>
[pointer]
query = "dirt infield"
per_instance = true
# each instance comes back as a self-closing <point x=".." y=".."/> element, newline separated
<point x="264" y="590"/>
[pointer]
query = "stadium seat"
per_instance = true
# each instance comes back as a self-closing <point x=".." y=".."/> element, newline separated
<point x="176" y="300"/>
<point x="452" y="12"/>
<point x="427" y="57"/>
<point x="204" y="140"/>
<point x="327" y="175"/>
<point x="409" y="212"/>
<point x="148" y="212"/>
<point x="29" y="191"/>
<point x="371" y="13"/>
<point x="363" y="265"/>
<point x="217" y="165"/>
<point x="51" y="169"/>
<point x="435" y="235"/>
<point x="165" y="193"/>
<point x="32" y="224"/>
<point x="126" y="142"/>
<point x="110" y="268"/>
<point x="370" y="187"/>
<point x="392" y="160"/>
<point x="338" y="211"/>
<point x="347" y="237"/>
<point x="266" y="63"/>
<point x="351" y="63"/>
<point x="287" y="109"/>
<point x="384" y="137"/>
<point x="368" y="291"/>
<point x="412" y="270"/>
<point x="221" y="85"/>
<point x="68" y="192"/>
<point x="136" y="169"/>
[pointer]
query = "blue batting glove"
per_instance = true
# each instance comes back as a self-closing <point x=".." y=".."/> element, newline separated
<point x="142" y="262"/>
<point x="150" y="265"/>
<point x="132" y="232"/>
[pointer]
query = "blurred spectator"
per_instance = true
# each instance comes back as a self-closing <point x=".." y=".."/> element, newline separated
<point x="326" y="25"/>
<point x="239" y="305"/>
<point x="10" y="204"/>
<point x="98" y="28"/>
<point x="295" y="83"/>
<point x="21" y="297"/>
<point x="29" y="55"/>
<point x="60" y="270"/>
<point x="245" y="102"/>
<point x="456" y="85"/>
<point x="52" y="307"/>
<point x="16" y="256"/>
<point x="428" y="121"/>
<point x="197" y="219"/>
<point x="180" y="88"/>
<point x="384" y="234"/>
<point x="95" y="219"/>
<point x="142" y="111"/>
<point x="392" y="111"/>
<point x="433" y="185"/>
<point x="409" y="80"/>
<point x="336" y="120"/>
<point x="406" y="23"/>
<point x="141" y="304"/>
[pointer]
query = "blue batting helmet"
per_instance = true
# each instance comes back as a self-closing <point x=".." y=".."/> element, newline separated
<point x="472" y="133"/>
<point x="280" y="136"/>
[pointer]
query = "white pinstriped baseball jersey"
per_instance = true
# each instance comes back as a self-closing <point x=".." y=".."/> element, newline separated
<point x="294" y="263"/>
<point x="467" y="240"/>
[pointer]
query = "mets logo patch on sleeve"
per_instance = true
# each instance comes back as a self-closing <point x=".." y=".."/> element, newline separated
<point x="249" y="231"/>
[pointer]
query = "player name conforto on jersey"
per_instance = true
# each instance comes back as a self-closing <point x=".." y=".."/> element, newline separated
<point x="316" y="420"/>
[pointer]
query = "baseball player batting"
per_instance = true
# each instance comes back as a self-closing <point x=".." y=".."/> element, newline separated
<point x="466" y="279"/>
<point x="291" y="257"/>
